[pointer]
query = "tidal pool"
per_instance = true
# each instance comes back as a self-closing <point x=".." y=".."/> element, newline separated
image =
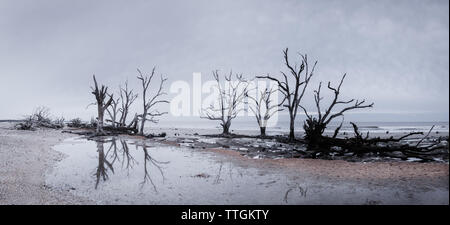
<point x="116" y="170"/>
<point x="131" y="171"/>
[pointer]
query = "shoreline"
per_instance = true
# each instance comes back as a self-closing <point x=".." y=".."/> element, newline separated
<point x="31" y="156"/>
<point x="331" y="167"/>
<point x="25" y="159"/>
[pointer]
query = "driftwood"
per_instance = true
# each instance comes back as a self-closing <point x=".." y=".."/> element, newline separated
<point x="388" y="147"/>
<point x="109" y="130"/>
<point x="314" y="126"/>
<point x="40" y="118"/>
<point x="359" y="145"/>
<point x="120" y="130"/>
<point x="163" y="134"/>
<point x="30" y="124"/>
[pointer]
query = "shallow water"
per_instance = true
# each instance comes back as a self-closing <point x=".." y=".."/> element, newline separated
<point x="373" y="127"/>
<point x="134" y="171"/>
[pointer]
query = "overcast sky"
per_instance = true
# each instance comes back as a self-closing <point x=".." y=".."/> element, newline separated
<point x="394" y="52"/>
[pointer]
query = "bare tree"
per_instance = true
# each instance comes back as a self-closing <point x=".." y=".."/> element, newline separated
<point x="127" y="98"/>
<point x="229" y="98"/>
<point x="149" y="112"/>
<point x="113" y="110"/>
<point x="263" y="108"/>
<point x="102" y="104"/>
<point x="315" y="126"/>
<point x="293" y="92"/>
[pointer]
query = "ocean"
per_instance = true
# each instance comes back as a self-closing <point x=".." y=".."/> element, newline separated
<point x="283" y="126"/>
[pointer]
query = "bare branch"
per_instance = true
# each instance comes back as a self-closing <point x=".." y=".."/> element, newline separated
<point x="230" y="96"/>
<point x="148" y="105"/>
<point x="101" y="95"/>
<point x="293" y="92"/>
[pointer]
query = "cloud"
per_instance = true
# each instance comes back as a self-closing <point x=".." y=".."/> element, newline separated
<point x="395" y="52"/>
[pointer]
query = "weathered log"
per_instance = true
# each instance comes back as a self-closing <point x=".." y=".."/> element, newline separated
<point x="380" y="146"/>
<point x="119" y="130"/>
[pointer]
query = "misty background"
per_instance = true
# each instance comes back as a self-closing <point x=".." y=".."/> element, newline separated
<point x="396" y="53"/>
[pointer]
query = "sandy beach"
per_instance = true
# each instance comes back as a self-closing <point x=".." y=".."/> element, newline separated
<point x="25" y="158"/>
<point x="40" y="167"/>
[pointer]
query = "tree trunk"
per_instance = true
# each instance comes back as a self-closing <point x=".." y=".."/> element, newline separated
<point x="291" y="129"/>
<point x="100" y="120"/>
<point x="226" y="128"/>
<point x="141" y="131"/>
<point x="263" y="131"/>
<point x="114" y="120"/>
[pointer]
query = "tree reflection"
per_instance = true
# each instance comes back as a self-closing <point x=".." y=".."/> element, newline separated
<point x="122" y="154"/>
<point x="156" y="163"/>
<point x="128" y="160"/>
<point x="103" y="164"/>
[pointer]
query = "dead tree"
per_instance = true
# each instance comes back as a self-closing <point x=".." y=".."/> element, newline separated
<point x="293" y="91"/>
<point x="230" y="96"/>
<point x="388" y="147"/>
<point x="102" y="104"/>
<point x="150" y="113"/>
<point x="263" y="108"/>
<point x="315" y="126"/>
<point x="126" y="98"/>
<point x="113" y="111"/>
<point x="134" y="123"/>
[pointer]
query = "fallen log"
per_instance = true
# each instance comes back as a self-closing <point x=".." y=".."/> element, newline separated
<point x="121" y="130"/>
<point x="360" y="145"/>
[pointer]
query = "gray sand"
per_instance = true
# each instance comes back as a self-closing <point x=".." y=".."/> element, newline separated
<point x="27" y="160"/>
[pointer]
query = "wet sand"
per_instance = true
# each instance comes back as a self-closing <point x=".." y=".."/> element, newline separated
<point x="25" y="159"/>
<point x="32" y="172"/>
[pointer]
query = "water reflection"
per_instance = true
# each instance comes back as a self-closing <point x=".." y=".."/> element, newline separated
<point x="125" y="171"/>
<point x="121" y="154"/>
<point x="154" y="162"/>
